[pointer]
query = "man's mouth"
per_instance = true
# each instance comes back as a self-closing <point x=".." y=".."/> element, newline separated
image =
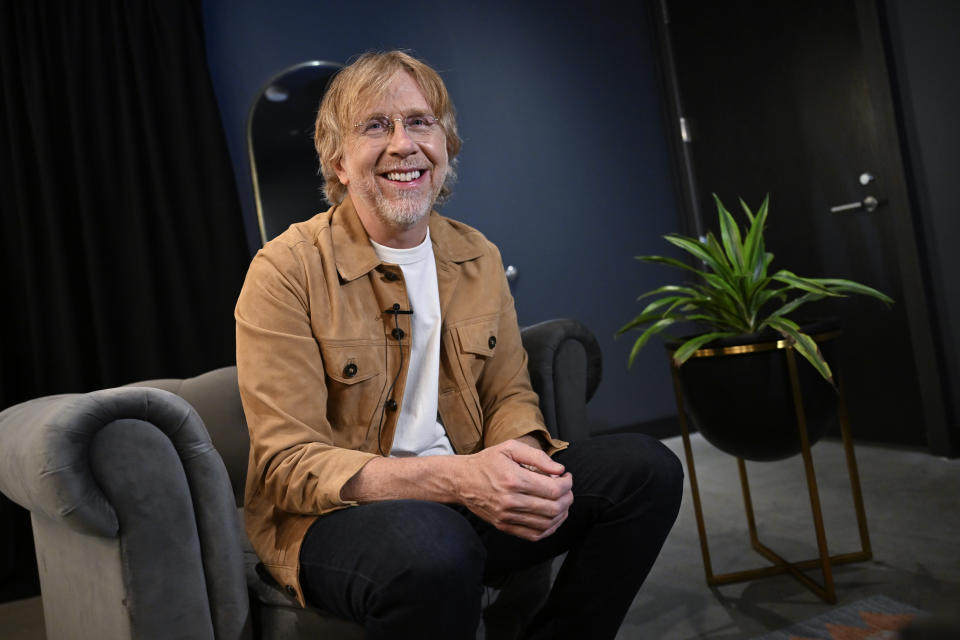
<point x="403" y="176"/>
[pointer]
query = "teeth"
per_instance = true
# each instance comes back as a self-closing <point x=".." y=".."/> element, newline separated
<point x="404" y="177"/>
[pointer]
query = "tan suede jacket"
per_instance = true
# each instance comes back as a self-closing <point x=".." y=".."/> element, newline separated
<point x="316" y="358"/>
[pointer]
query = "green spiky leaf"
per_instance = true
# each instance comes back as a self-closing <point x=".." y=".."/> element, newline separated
<point x="730" y="290"/>
<point x="688" y="348"/>
<point x="804" y="345"/>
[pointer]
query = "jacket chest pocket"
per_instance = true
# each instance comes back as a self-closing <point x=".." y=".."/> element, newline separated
<point x="354" y="373"/>
<point x="477" y="341"/>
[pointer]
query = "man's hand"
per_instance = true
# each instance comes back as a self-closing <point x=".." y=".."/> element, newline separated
<point x="517" y="488"/>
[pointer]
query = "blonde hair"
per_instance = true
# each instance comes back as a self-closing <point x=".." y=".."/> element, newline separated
<point x="358" y="82"/>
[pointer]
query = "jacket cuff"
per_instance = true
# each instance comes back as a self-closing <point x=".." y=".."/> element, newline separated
<point x="348" y="464"/>
<point x="547" y="442"/>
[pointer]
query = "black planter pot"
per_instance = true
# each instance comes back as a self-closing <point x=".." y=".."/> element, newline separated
<point x="737" y="393"/>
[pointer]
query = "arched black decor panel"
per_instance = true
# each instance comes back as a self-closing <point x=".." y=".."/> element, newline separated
<point x="283" y="163"/>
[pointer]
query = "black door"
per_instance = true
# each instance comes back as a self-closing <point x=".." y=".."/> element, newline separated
<point x="791" y="99"/>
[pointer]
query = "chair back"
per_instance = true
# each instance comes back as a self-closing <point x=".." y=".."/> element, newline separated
<point x="283" y="163"/>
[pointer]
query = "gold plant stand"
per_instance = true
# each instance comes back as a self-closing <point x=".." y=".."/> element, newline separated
<point x="824" y="561"/>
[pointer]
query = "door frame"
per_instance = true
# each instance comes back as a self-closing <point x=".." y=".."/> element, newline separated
<point x="916" y="284"/>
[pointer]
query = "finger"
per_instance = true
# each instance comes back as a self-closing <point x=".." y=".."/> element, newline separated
<point x="546" y="487"/>
<point x="534" y="530"/>
<point x="531" y="521"/>
<point x="540" y="515"/>
<point x="524" y="533"/>
<point x="530" y="507"/>
<point x="528" y="526"/>
<point x="532" y="457"/>
<point x="549" y="532"/>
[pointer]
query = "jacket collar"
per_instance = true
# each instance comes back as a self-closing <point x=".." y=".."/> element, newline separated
<point x="453" y="243"/>
<point x="355" y="255"/>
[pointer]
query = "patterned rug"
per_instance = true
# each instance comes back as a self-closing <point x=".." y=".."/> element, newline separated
<point x="875" y="618"/>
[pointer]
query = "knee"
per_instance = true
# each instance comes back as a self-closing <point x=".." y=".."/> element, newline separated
<point x="647" y="466"/>
<point x="669" y="478"/>
<point x="452" y="560"/>
<point x="659" y="468"/>
<point x="433" y="585"/>
<point x="444" y="555"/>
<point x="664" y="465"/>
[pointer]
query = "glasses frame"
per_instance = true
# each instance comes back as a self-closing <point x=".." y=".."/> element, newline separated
<point x="391" y="126"/>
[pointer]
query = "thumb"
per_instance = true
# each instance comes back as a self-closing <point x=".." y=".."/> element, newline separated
<point x="536" y="460"/>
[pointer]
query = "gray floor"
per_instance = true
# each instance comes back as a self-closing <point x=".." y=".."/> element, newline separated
<point x="912" y="502"/>
<point x="913" y="512"/>
<point x="22" y="620"/>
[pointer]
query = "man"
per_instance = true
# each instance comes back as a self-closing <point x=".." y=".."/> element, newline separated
<point x="398" y="456"/>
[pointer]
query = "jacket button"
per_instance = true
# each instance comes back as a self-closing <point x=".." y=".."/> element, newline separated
<point x="391" y="404"/>
<point x="397" y="333"/>
<point x="492" y="342"/>
<point x="291" y="591"/>
<point x="391" y="276"/>
<point x="350" y="370"/>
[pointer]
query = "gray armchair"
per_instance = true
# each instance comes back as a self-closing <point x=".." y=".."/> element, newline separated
<point x="134" y="495"/>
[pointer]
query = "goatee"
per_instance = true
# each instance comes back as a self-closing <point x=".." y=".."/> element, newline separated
<point x="403" y="211"/>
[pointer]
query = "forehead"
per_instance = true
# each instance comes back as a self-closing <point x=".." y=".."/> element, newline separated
<point x="400" y="94"/>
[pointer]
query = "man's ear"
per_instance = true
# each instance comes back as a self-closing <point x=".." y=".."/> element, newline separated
<point x="341" y="174"/>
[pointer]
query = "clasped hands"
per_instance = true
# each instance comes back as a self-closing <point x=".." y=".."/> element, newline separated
<point x="517" y="488"/>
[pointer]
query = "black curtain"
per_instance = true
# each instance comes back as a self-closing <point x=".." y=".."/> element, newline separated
<point x="121" y="240"/>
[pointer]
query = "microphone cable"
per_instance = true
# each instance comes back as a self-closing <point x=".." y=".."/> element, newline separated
<point x="398" y="335"/>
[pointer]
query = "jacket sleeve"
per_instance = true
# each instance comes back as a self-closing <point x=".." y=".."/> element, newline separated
<point x="510" y="406"/>
<point x="293" y="459"/>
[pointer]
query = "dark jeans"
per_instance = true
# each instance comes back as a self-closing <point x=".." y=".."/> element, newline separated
<point x="413" y="569"/>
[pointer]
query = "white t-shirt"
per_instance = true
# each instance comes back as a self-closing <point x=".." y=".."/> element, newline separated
<point x="418" y="431"/>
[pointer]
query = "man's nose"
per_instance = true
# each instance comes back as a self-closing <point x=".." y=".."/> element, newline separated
<point x="400" y="141"/>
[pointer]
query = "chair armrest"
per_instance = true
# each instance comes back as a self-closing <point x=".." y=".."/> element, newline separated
<point x="565" y="365"/>
<point x="45" y="449"/>
<point x="215" y="396"/>
<point x="135" y="469"/>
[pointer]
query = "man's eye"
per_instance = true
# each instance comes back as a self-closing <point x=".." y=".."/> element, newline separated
<point x="418" y="123"/>
<point x="373" y="125"/>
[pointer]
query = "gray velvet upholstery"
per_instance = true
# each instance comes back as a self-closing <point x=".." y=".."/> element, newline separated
<point x="565" y="367"/>
<point x="135" y="495"/>
<point x="135" y="468"/>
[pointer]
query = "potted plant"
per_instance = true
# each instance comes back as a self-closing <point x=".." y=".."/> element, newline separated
<point x="743" y="405"/>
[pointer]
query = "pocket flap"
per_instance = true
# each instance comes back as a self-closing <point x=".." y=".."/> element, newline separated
<point x="351" y="363"/>
<point x="479" y="337"/>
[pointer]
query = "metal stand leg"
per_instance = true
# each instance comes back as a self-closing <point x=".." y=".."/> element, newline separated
<point x="825" y="562"/>
<point x="692" y="475"/>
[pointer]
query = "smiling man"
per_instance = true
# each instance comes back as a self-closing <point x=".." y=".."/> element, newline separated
<point x="395" y="179"/>
<point x="398" y="457"/>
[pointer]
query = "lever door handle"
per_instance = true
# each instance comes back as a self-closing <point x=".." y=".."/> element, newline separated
<point x="869" y="203"/>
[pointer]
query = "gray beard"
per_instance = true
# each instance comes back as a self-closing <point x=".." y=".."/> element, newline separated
<point x="403" y="212"/>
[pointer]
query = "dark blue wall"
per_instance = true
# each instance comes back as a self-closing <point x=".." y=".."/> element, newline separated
<point x="564" y="165"/>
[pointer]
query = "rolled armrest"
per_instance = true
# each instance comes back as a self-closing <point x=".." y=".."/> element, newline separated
<point x="133" y="464"/>
<point x="216" y="398"/>
<point x="565" y="366"/>
<point x="45" y="449"/>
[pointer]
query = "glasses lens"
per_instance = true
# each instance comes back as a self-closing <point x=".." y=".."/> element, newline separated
<point x="420" y="126"/>
<point x="375" y="127"/>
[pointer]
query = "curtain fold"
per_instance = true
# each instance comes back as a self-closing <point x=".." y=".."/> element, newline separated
<point x="122" y="239"/>
<point x="122" y="247"/>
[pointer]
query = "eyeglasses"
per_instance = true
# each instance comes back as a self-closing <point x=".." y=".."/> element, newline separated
<point x="418" y="127"/>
